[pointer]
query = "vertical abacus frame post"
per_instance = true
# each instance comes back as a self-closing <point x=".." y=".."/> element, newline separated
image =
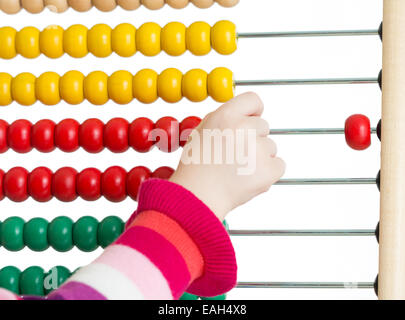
<point x="392" y="209"/>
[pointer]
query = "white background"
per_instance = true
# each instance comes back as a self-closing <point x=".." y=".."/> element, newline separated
<point x="260" y="259"/>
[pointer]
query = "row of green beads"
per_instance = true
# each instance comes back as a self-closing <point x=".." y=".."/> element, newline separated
<point x="62" y="233"/>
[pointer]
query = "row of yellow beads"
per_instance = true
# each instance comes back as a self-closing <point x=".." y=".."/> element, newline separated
<point x="122" y="87"/>
<point x="125" y="40"/>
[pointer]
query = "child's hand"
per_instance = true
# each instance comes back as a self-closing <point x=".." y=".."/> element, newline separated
<point x="229" y="158"/>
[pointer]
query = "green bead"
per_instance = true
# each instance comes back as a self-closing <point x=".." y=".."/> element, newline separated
<point x="10" y="279"/>
<point x="85" y="234"/>
<point x="188" y="296"/>
<point x="36" y="234"/>
<point x="12" y="235"/>
<point x="226" y="225"/>
<point x="60" y="234"/>
<point x="55" y="278"/>
<point x="222" y="297"/>
<point x="109" y="230"/>
<point x="32" y="281"/>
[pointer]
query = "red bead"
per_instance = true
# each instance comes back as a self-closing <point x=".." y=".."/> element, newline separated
<point x="88" y="184"/>
<point x="116" y="135"/>
<point x="3" y="136"/>
<point x="186" y="127"/>
<point x="15" y="184"/>
<point x="1" y="184"/>
<point x="40" y="184"/>
<point x="67" y="135"/>
<point x="166" y="134"/>
<point x="42" y="135"/>
<point x="358" y="132"/>
<point x="163" y="173"/>
<point x="135" y="178"/>
<point x="113" y="184"/>
<point x="64" y="184"/>
<point x="91" y="135"/>
<point x="139" y="131"/>
<point x="19" y="136"/>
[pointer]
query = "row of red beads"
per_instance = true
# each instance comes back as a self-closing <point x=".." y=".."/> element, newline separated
<point x="93" y="135"/>
<point x="66" y="184"/>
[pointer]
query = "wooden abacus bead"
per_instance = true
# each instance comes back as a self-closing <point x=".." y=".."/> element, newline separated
<point x="116" y="135"/>
<point x="228" y="3"/>
<point x="148" y="39"/>
<point x="5" y="89"/>
<point x="47" y="88"/>
<point x="10" y="279"/>
<point x="224" y="37"/>
<point x="56" y="5"/>
<point x="173" y="38"/>
<point x="129" y="4"/>
<point x="32" y="281"/>
<point x="62" y="274"/>
<point x="358" y="132"/>
<point x="144" y="86"/>
<point x="51" y="41"/>
<point x="64" y="184"/>
<point x="1" y="184"/>
<point x="221" y="84"/>
<point x="123" y="40"/>
<point x="153" y="4"/>
<point x="186" y="127"/>
<point x="203" y="4"/>
<point x="15" y="184"/>
<point x="135" y="178"/>
<point x="75" y="41"/>
<point x="60" y="234"/>
<point x="19" y="136"/>
<point x="91" y="133"/>
<point x="105" y="5"/>
<point x="85" y="234"/>
<point x="177" y="4"/>
<point x="72" y="87"/>
<point x="169" y="85"/>
<point x="12" y="235"/>
<point x="167" y="134"/>
<point x="139" y="135"/>
<point x="88" y="184"/>
<point x="10" y="6"/>
<point x="42" y="135"/>
<point x="162" y="173"/>
<point x="40" y="184"/>
<point x="35" y="234"/>
<point x="99" y="40"/>
<point x="194" y="85"/>
<point x="8" y="42"/>
<point x="80" y="5"/>
<point x="109" y="229"/>
<point x="198" y="38"/>
<point x="27" y="42"/>
<point x="23" y="89"/>
<point x="3" y="136"/>
<point x="113" y="184"/>
<point x="67" y="135"/>
<point x="120" y="87"/>
<point x="95" y="87"/>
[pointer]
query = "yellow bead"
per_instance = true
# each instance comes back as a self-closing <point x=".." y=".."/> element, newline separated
<point x="123" y="40"/>
<point x="75" y="41"/>
<point x="5" y="89"/>
<point x="51" y="42"/>
<point x="23" y="89"/>
<point x="99" y="40"/>
<point x="148" y="39"/>
<point x="71" y="87"/>
<point x="27" y="42"/>
<point x="120" y="87"/>
<point x="47" y="88"/>
<point x="221" y="85"/>
<point x="169" y="85"/>
<point x="198" y="38"/>
<point x="223" y="37"/>
<point x="95" y="88"/>
<point x="144" y="86"/>
<point x="7" y="40"/>
<point x="194" y="85"/>
<point x="173" y="38"/>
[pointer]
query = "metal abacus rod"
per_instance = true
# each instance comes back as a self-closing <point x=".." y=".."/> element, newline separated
<point x="326" y="181"/>
<point x="305" y="285"/>
<point x="310" y="131"/>
<point x="290" y="82"/>
<point x="298" y="34"/>
<point x="304" y="233"/>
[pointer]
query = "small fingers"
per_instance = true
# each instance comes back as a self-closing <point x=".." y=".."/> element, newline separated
<point x="267" y="146"/>
<point x="246" y="104"/>
<point x="259" y="124"/>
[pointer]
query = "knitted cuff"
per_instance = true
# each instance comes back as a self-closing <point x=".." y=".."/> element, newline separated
<point x="208" y="233"/>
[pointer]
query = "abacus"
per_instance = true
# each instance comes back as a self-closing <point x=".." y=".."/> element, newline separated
<point x="118" y="135"/>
